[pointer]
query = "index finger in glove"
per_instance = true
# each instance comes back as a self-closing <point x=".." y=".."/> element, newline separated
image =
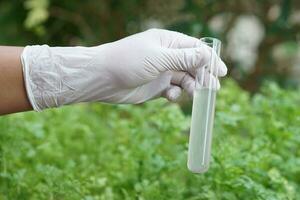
<point x="190" y="59"/>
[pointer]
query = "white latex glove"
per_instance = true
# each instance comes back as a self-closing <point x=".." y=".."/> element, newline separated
<point x="135" y="69"/>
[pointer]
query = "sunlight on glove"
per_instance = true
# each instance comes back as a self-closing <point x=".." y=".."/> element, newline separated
<point x="135" y="69"/>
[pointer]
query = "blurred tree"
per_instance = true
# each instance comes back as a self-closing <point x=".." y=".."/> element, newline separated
<point x="61" y="22"/>
<point x="275" y="17"/>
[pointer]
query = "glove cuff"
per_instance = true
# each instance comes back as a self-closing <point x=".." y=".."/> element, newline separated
<point x="31" y="59"/>
<point x="55" y="76"/>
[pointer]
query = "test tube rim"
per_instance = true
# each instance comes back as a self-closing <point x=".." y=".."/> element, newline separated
<point x="210" y="41"/>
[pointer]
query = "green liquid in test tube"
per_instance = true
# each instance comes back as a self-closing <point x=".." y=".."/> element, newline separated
<point x="203" y="111"/>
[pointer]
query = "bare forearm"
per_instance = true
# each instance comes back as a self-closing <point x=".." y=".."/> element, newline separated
<point x="13" y="97"/>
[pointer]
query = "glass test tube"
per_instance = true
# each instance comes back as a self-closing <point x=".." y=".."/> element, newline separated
<point x="203" y="110"/>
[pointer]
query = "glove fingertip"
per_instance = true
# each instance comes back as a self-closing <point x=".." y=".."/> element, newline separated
<point x="173" y="93"/>
<point x="222" y="69"/>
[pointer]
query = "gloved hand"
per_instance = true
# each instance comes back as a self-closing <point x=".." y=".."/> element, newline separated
<point x="135" y="69"/>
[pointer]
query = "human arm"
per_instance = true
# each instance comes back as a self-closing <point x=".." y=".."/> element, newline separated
<point x="135" y="69"/>
<point x="13" y="97"/>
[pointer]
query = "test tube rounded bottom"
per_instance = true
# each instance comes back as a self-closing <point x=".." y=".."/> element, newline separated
<point x="201" y="130"/>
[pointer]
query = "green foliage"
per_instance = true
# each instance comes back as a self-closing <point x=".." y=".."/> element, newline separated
<point x="89" y="23"/>
<point x="37" y="15"/>
<point x="98" y="151"/>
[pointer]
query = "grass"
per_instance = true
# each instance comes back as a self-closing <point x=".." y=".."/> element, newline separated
<point x="99" y="151"/>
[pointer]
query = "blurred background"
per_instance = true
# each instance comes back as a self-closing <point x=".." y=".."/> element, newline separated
<point x="260" y="38"/>
<point x="107" y="152"/>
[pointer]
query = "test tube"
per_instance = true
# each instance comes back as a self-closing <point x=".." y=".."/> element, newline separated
<point x="203" y="110"/>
